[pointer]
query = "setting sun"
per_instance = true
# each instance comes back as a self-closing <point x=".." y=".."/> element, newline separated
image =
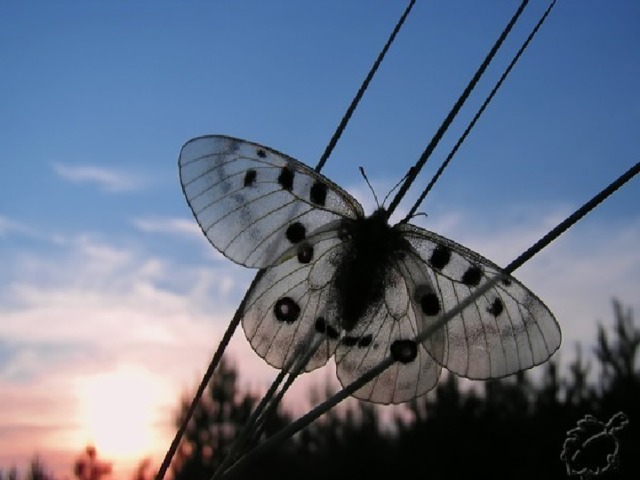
<point x="119" y="411"/>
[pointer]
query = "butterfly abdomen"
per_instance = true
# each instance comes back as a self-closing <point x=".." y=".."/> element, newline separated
<point x="362" y="275"/>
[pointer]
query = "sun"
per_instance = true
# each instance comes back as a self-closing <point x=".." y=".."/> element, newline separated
<point x="120" y="411"/>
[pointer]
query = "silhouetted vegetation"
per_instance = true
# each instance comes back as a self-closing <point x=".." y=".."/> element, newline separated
<point x="514" y="428"/>
<point x="35" y="471"/>
<point x="89" y="467"/>
<point x="219" y="418"/>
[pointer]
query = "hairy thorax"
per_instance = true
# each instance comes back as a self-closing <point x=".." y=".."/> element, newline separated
<point x="361" y="278"/>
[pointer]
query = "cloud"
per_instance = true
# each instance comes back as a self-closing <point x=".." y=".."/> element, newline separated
<point x="186" y="228"/>
<point x="9" y="226"/>
<point x="90" y="309"/>
<point x="170" y="225"/>
<point x="108" y="179"/>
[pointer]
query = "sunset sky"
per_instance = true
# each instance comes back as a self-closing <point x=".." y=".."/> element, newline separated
<point x="112" y="300"/>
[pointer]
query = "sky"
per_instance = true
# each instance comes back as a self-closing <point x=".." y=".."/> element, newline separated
<point x="112" y="300"/>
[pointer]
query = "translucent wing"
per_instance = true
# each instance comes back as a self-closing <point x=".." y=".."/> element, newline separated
<point x="293" y="304"/>
<point x="506" y="330"/>
<point x="252" y="202"/>
<point x="388" y="329"/>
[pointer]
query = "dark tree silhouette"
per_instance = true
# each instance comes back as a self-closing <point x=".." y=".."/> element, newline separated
<point x="38" y="471"/>
<point x="35" y="471"/>
<point x="89" y="467"/>
<point x="10" y="474"/>
<point x="517" y="429"/>
<point x="509" y="428"/>
<point x="343" y="442"/>
<point x="619" y="388"/>
<point x="215" y="424"/>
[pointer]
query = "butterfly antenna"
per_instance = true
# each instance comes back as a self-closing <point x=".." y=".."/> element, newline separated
<point x="395" y="187"/>
<point x="479" y="113"/>
<point x="356" y="100"/>
<point x="454" y="111"/>
<point x="366" y="179"/>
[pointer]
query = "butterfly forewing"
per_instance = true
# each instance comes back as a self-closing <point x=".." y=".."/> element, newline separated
<point x="506" y="330"/>
<point x="253" y="202"/>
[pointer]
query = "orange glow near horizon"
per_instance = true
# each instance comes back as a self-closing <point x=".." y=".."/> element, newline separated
<point x="119" y="412"/>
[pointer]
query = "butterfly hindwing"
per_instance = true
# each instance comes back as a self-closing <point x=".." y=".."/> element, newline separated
<point x="506" y="330"/>
<point x="388" y="329"/>
<point x="253" y="202"/>
<point x="293" y="304"/>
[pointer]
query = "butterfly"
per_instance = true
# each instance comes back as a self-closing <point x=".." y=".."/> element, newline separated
<point x="359" y="288"/>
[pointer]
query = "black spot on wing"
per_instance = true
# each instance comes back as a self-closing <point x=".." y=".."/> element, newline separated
<point x="285" y="179"/>
<point x="440" y="257"/>
<point x="305" y="253"/>
<point x="286" y="310"/>
<point x="332" y="333"/>
<point x="360" y="342"/>
<point x="261" y="153"/>
<point x="250" y="177"/>
<point x="496" y="308"/>
<point x="472" y="276"/>
<point x="349" y="341"/>
<point x="322" y="326"/>
<point x="404" y="351"/>
<point x="296" y="232"/>
<point x="430" y="304"/>
<point x="318" y="194"/>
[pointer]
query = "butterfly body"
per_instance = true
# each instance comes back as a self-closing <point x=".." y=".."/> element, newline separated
<point x="358" y="288"/>
<point x="361" y="275"/>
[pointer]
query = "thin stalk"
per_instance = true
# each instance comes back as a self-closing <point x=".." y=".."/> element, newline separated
<point x="415" y="170"/>
<point x="477" y="116"/>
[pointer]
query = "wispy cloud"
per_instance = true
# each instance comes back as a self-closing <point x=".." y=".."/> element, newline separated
<point x="187" y="228"/>
<point x="92" y="308"/>
<point x="108" y="179"/>
<point x="170" y="225"/>
<point x="9" y="226"/>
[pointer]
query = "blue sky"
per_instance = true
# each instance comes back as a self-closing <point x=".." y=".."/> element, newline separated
<point x="103" y="271"/>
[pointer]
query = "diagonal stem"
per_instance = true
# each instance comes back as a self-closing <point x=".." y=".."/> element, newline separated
<point x="415" y="170"/>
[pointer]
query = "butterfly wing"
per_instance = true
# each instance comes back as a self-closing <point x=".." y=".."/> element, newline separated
<point x="291" y="309"/>
<point x="388" y="329"/>
<point x="505" y="330"/>
<point x="252" y="202"/>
